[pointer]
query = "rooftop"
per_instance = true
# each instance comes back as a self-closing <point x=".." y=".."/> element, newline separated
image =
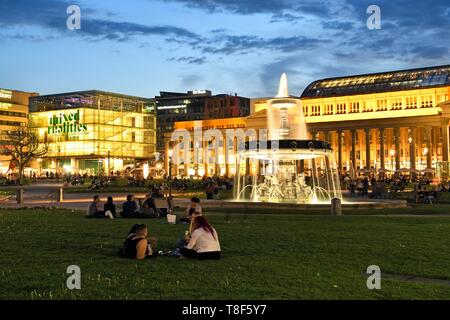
<point x="379" y="82"/>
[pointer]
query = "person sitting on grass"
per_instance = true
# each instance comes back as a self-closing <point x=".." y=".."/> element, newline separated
<point x="110" y="206"/>
<point x="130" y="208"/>
<point x="136" y="246"/>
<point x="149" y="208"/>
<point x="194" y="207"/>
<point x="94" y="209"/>
<point x="203" y="243"/>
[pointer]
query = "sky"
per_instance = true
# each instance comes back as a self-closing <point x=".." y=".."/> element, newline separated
<point x="142" y="47"/>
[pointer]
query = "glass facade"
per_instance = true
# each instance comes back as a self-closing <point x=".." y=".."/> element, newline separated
<point x="379" y="82"/>
<point x="94" y="130"/>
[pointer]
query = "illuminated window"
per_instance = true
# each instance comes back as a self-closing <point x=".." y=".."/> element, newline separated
<point x="328" y="109"/>
<point x="427" y="101"/>
<point x="341" y="108"/>
<point x="305" y="111"/>
<point x="315" y="110"/>
<point x="354" y="107"/>
<point x="396" y="104"/>
<point x="382" y="104"/>
<point x="367" y="107"/>
<point x="411" y="102"/>
<point x="442" y="98"/>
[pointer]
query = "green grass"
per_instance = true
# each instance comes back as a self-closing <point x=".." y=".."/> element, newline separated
<point x="265" y="256"/>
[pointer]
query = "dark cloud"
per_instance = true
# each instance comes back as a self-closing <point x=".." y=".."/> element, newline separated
<point x="277" y="8"/>
<point x="430" y="52"/>
<point x="51" y="14"/>
<point x="189" y="60"/>
<point x="338" y="25"/>
<point x="285" y="17"/>
<point x="244" y="44"/>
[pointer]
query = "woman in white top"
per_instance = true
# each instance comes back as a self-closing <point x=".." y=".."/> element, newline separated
<point x="203" y="243"/>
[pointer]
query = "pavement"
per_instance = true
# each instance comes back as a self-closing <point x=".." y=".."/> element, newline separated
<point x="47" y="195"/>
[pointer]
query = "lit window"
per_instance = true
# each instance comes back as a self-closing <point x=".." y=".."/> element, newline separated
<point x="305" y="111"/>
<point x="315" y="110"/>
<point x="354" y="107"/>
<point x="382" y="104"/>
<point x="411" y="102"/>
<point x="396" y="104"/>
<point x="427" y="101"/>
<point x="341" y="108"/>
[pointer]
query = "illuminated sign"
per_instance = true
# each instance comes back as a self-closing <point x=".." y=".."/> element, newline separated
<point x="4" y="105"/>
<point x="66" y="123"/>
<point x="5" y="94"/>
<point x="199" y="91"/>
<point x="178" y="106"/>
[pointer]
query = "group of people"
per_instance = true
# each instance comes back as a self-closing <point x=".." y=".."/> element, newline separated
<point x="131" y="208"/>
<point x="200" y="241"/>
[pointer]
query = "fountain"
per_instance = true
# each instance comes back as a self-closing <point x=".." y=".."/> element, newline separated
<point x="286" y="166"/>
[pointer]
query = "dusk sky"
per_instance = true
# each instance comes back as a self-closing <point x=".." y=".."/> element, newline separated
<point x="140" y="47"/>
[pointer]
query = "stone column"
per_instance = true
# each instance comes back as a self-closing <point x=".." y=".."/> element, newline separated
<point x="226" y="153"/>
<point x="367" y="134"/>
<point x="428" y="140"/>
<point x="339" y="137"/>
<point x="354" y="164"/>
<point x="382" y="138"/>
<point x="445" y="149"/>
<point x="412" y="152"/>
<point x="205" y="157"/>
<point x="397" y="147"/>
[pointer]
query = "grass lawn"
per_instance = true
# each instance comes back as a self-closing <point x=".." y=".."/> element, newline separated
<point x="265" y="256"/>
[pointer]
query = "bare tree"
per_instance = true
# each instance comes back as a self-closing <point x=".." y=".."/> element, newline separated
<point x="22" y="146"/>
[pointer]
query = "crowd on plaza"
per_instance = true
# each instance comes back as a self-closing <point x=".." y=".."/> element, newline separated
<point x="385" y="187"/>
<point x="200" y="241"/>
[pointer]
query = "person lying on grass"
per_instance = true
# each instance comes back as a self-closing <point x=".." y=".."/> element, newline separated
<point x="136" y="246"/>
<point x="203" y="243"/>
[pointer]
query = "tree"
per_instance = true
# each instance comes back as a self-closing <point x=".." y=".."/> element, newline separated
<point x="22" y="146"/>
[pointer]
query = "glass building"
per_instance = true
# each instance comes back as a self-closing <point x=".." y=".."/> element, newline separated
<point x="13" y="114"/>
<point x="93" y="131"/>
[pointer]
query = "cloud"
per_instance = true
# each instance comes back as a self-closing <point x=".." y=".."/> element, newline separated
<point x="278" y="9"/>
<point x="230" y="44"/>
<point x="51" y="14"/>
<point x="189" y="60"/>
<point x="430" y="52"/>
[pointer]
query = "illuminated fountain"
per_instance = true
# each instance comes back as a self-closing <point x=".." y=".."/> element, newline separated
<point x="286" y="166"/>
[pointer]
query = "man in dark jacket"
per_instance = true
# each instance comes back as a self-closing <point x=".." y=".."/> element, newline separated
<point x="130" y="208"/>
